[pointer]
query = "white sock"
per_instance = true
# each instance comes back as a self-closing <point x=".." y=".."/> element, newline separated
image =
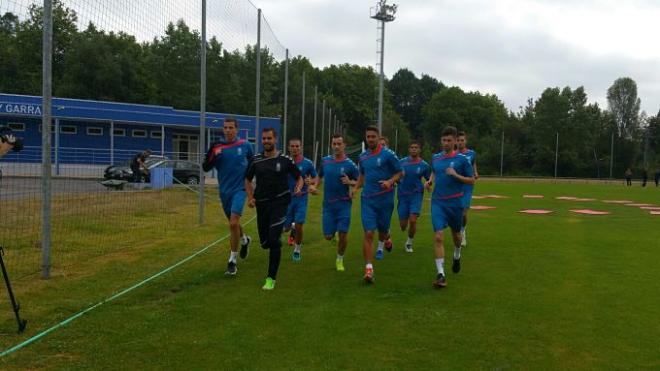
<point x="296" y="247"/>
<point x="381" y="244"/>
<point x="369" y="266"/>
<point x="457" y="252"/>
<point x="439" y="263"/>
<point x="244" y="239"/>
<point x="340" y="257"/>
<point x="409" y="241"/>
<point x="232" y="256"/>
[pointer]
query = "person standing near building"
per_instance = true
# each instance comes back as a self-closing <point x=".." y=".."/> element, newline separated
<point x="230" y="158"/>
<point x="410" y="191"/>
<point x="450" y="172"/>
<point x="139" y="167"/>
<point x="628" y="174"/>
<point x="471" y="155"/>
<point x="379" y="171"/>
<point x="339" y="174"/>
<point x="9" y="142"/>
<point x="657" y="177"/>
<point x="271" y="198"/>
<point x="297" y="212"/>
<point x="645" y="177"/>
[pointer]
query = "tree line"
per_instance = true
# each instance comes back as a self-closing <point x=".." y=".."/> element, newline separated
<point x="114" y="66"/>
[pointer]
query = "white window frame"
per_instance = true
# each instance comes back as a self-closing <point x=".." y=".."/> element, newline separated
<point x="16" y="126"/>
<point x="75" y="129"/>
<point x="121" y="130"/>
<point x="95" y="128"/>
<point x="156" y="134"/>
<point x="138" y="130"/>
<point x="52" y="128"/>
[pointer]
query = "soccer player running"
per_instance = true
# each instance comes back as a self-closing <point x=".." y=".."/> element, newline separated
<point x="450" y="172"/>
<point x="411" y="191"/>
<point x="339" y="173"/>
<point x="471" y="155"/>
<point x="230" y="158"/>
<point x="379" y="171"/>
<point x="297" y="212"/>
<point x="271" y="197"/>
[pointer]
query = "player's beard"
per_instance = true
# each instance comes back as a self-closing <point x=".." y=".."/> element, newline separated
<point x="268" y="147"/>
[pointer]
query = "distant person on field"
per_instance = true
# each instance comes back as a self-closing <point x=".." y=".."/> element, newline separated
<point x="645" y="177"/>
<point x="657" y="177"/>
<point x="138" y="166"/>
<point x="628" y="175"/>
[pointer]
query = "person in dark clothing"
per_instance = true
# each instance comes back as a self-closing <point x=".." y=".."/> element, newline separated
<point x="271" y="197"/>
<point x="9" y="142"/>
<point x="628" y="175"/>
<point x="657" y="177"/>
<point x="137" y="165"/>
<point x="645" y="177"/>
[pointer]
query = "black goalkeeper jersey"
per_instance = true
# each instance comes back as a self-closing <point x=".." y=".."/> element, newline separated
<point x="272" y="176"/>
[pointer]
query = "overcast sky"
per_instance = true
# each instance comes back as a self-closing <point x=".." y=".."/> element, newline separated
<point x="512" y="48"/>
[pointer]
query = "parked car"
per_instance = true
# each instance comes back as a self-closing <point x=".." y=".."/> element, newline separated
<point x="123" y="170"/>
<point x="186" y="172"/>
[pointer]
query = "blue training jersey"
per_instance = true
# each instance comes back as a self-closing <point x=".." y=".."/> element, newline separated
<point x="332" y="170"/>
<point x="380" y="164"/>
<point x="472" y="157"/>
<point x="447" y="188"/>
<point x="413" y="173"/>
<point x="231" y="165"/>
<point x="306" y="168"/>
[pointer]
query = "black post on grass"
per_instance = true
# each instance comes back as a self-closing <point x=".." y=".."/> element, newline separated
<point x="14" y="304"/>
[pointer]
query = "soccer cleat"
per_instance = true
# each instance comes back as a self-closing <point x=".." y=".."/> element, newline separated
<point x="369" y="275"/>
<point x="440" y="281"/>
<point x="245" y="248"/>
<point x="463" y="239"/>
<point x="388" y="245"/>
<point x="456" y="266"/>
<point x="340" y="265"/>
<point x="409" y="247"/>
<point x="269" y="285"/>
<point x="379" y="254"/>
<point x="231" y="269"/>
<point x="296" y="256"/>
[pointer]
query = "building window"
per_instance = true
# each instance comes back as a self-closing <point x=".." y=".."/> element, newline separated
<point x="16" y="126"/>
<point x="119" y="132"/>
<point x="139" y="133"/>
<point x="156" y="134"/>
<point x="52" y="128"/>
<point x="68" y="129"/>
<point x="96" y="131"/>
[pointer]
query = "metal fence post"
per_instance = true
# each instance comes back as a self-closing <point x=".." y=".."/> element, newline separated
<point x="556" y="154"/>
<point x="47" y="87"/>
<point x="258" y="92"/>
<point x="286" y="99"/>
<point x="302" y="121"/>
<point x="321" y="145"/>
<point x="202" y="112"/>
<point x="612" y="156"/>
<point x="316" y="103"/>
<point x="502" y="156"/>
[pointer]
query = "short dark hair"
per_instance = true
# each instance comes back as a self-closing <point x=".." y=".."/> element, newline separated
<point x="461" y="134"/>
<point x="415" y="142"/>
<point x="265" y="130"/>
<point x="337" y="135"/>
<point x="372" y="128"/>
<point x="230" y="119"/>
<point x="294" y="139"/>
<point x="449" y="130"/>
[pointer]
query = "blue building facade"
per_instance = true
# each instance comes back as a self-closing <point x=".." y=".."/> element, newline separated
<point x="102" y="133"/>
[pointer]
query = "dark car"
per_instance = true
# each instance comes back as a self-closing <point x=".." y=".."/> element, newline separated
<point x="183" y="171"/>
<point x="123" y="170"/>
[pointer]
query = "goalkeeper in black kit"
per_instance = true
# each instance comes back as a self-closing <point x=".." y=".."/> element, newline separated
<point x="271" y="197"/>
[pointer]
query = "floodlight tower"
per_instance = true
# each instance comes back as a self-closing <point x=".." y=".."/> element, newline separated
<point x="383" y="13"/>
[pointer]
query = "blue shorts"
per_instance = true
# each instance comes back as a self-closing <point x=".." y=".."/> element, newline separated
<point x="232" y="203"/>
<point x="409" y="205"/>
<point x="297" y="211"/>
<point x="466" y="200"/>
<point x="444" y="214"/>
<point x="336" y="217"/>
<point x="377" y="213"/>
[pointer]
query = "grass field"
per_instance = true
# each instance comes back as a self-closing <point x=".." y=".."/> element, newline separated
<point x="562" y="291"/>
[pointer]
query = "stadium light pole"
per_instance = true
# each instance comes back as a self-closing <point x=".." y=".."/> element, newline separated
<point x="258" y="92"/>
<point x="47" y="90"/>
<point x="383" y="13"/>
<point x="202" y="112"/>
<point x="286" y="99"/>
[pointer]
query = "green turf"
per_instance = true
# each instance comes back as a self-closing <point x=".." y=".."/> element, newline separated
<point x="561" y="291"/>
